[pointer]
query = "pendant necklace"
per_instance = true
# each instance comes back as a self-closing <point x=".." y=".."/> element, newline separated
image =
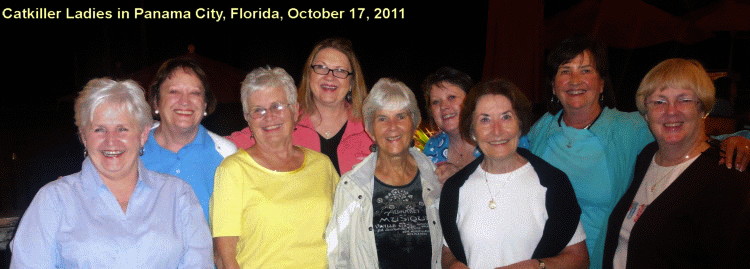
<point x="492" y="204"/>
<point x="573" y="138"/>
<point x="669" y="173"/>
<point x="570" y="140"/>
<point x="660" y="179"/>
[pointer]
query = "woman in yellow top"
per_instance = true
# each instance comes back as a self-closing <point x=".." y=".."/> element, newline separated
<point x="272" y="201"/>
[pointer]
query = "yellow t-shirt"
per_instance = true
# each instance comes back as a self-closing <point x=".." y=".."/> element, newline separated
<point x="280" y="217"/>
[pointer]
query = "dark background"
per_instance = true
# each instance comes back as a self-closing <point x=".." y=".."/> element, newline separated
<point x="46" y="62"/>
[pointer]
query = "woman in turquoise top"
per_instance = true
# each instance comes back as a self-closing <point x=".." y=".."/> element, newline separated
<point x="587" y="138"/>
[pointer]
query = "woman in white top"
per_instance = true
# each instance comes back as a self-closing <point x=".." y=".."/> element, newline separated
<point x="508" y="207"/>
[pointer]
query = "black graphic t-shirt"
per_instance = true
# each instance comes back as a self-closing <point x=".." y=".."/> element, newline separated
<point x="402" y="234"/>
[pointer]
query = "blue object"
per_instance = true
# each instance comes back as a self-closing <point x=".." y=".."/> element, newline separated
<point x="76" y="222"/>
<point x="195" y="163"/>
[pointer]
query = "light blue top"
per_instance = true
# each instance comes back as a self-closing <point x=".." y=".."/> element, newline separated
<point x="436" y="147"/>
<point x="599" y="163"/>
<point x="76" y="222"/>
<point x="195" y="163"/>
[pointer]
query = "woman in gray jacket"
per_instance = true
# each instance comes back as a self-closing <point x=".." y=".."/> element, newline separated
<point x="385" y="210"/>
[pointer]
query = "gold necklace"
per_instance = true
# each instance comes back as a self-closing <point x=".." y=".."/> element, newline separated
<point x="674" y="167"/>
<point x="492" y="204"/>
<point x="660" y="179"/>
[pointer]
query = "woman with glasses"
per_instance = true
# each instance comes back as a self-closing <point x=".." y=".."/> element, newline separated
<point x="272" y="201"/>
<point x="683" y="210"/>
<point x="586" y="137"/>
<point x="331" y="94"/>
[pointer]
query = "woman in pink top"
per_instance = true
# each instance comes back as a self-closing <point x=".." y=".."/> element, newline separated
<point x="330" y="93"/>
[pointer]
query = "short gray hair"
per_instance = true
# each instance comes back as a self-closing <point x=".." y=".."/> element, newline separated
<point x="126" y="93"/>
<point x="266" y="77"/>
<point x="390" y="94"/>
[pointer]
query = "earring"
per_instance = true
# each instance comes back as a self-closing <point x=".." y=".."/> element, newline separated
<point x="705" y="116"/>
<point x="553" y="99"/>
<point x="373" y="147"/>
<point x="348" y="97"/>
<point x="205" y="113"/>
<point x="85" y="153"/>
<point x="156" y="112"/>
<point x="601" y="97"/>
<point x="140" y="152"/>
<point x="473" y="137"/>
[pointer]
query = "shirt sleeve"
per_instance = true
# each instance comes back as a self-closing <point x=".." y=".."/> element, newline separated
<point x="741" y="133"/>
<point x="35" y="243"/>
<point x="197" y="237"/>
<point x="242" y="139"/>
<point x="578" y="236"/>
<point x="643" y="136"/>
<point x="338" y="231"/>
<point x="226" y="201"/>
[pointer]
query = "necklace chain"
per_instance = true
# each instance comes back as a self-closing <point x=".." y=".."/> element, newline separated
<point x="662" y="178"/>
<point x="668" y="174"/>
<point x="492" y="204"/>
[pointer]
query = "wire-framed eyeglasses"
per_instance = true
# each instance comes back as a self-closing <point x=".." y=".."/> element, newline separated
<point x="258" y="112"/>
<point x="681" y="103"/>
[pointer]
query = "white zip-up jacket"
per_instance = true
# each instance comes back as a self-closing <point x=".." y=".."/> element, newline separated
<point x="350" y="236"/>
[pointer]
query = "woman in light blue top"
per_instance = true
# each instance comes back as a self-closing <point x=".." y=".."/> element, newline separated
<point x="587" y="138"/>
<point x="115" y="213"/>
<point x="179" y="145"/>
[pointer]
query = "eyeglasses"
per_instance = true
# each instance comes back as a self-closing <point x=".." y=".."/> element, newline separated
<point x="682" y="103"/>
<point x="260" y="112"/>
<point x="324" y="70"/>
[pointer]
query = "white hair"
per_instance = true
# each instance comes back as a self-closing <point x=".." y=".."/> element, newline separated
<point x="128" y="94"/>
<point x="390" y="94"/>
<point x="266" y="77"/>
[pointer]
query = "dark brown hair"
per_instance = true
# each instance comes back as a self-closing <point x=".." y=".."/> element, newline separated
<point x="445" y="74"/>
<point x="520" y="104"/>
<point x="569" y="49"/>
<point x="189" y="65"/>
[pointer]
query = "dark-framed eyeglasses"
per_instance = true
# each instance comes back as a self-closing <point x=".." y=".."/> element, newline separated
<point x="258" y="112"/>
<point x="324" y="70"/>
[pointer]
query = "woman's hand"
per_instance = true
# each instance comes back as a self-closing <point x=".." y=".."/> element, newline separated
<point x="529" y="264"/>
<point x="226" y="250"/>
<point x="736" y="152"/>
<point x="573" y="257"/>
<point x="449" y="261"/>
<point x="445" y="170"/>
<point x="458" y="265"/>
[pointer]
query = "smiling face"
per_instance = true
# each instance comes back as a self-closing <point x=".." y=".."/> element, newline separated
<point x="496" y="127"/>
<point x="181" y="100"/>
<point x="327" y="89"/>
<point x="679" y="121"/>
<point x="392" y="131"/>
<point x="113" y="140"/>
<point x="445" y="105"/>
<point x="578" y="84"/>
<point x="275" y="125"/>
